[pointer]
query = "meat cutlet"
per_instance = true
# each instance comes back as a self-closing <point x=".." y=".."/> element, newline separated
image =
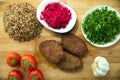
<point x="74" y="44"/>
<point x="70" y="62"/>
<point x="52" y="51"/>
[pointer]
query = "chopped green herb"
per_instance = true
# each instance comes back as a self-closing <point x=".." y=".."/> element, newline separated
<point x="101" y="26"/>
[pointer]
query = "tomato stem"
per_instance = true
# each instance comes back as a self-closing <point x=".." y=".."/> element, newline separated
<point x="26" y="63"/>
<point x="12" y="78"/>
<point x="13" y="61"/>
<point x="34" y="77"/>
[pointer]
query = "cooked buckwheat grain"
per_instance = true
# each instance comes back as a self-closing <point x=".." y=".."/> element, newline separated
<point x="20" y="22"/>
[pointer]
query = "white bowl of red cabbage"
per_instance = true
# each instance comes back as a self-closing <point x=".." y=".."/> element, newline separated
<point x="101" y="26"/>
<point x="56" y="16"/>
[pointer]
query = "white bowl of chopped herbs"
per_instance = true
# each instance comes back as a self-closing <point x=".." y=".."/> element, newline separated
<point x="101" y="26"/>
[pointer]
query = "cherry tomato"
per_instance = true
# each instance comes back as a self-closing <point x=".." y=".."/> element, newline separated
<point x="15" y="75"/>
<point x="35" y="75"/>
<point x="28" y="62"/>
<point x="13" y="59"/>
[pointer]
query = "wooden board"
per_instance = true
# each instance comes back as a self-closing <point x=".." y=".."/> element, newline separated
<point x="50" y="71"/>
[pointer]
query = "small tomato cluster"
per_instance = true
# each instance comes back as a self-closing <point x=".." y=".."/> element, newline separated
<point x="27" y="63"/>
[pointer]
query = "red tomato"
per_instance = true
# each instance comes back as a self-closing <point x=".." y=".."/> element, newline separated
<point x="28" y="62"/>
<point x="15" y="75"/>
<point x="13" y="59"/>
<point x="35" y="75"/>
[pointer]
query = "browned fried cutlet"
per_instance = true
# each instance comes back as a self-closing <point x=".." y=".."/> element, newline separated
<point x="52" y="51"/>
<point x="74" y="44"/>
<point x="70" y="62"/>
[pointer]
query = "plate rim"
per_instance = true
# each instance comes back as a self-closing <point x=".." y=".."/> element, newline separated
<point x="108" y="44"/>
<point x="71" y="23"/>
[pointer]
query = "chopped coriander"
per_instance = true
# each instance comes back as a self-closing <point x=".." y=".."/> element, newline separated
<point x="101" y="26"/>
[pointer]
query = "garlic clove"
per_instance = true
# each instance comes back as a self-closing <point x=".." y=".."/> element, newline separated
<point x="99" y="73"/>
<point x="103" y="65"/>
<point x="100" y="66"/>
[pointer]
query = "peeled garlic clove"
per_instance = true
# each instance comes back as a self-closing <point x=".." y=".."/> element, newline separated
<point x="100" y="66"/>
<point x="99" y="73"/>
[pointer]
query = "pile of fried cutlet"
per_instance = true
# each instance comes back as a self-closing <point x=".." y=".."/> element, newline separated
<point x="65" y="54"/>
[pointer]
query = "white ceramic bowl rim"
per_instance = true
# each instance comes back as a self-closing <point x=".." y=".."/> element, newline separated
<point x="69" y="26"/>
<point x="117" y="38"/>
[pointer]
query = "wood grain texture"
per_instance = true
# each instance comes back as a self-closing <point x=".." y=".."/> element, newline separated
<point x="50" y="71"/>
